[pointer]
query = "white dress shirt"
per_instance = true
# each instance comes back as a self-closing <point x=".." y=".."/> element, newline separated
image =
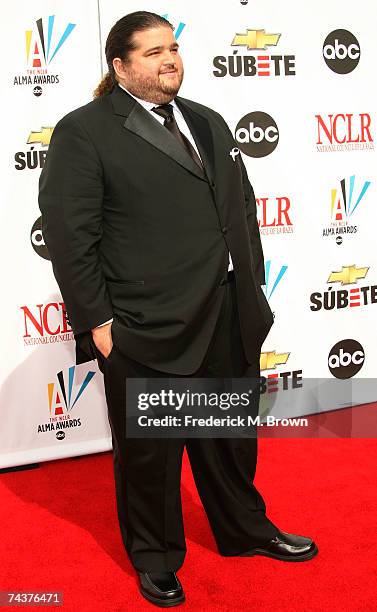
<point x="182" y="126"/>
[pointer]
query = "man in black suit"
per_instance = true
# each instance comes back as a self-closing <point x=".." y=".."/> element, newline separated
<point x="150" y="221"/>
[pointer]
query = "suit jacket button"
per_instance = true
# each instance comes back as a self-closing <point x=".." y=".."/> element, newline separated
<point x="224" y="229"/>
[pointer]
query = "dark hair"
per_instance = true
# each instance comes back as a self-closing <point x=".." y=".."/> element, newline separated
<point x="120" y="42"/>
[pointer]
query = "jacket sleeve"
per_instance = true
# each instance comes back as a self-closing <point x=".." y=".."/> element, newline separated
<point x="71" y="199"/>
<point x="251" y="211"/>
<point x="252" y="223"/>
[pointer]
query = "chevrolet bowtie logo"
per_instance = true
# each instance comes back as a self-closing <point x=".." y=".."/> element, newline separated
<point x="43" y="137"/>
<point x="348" y="275"/>
<point x="256" y="39"/>
<point x="269" y="361"/>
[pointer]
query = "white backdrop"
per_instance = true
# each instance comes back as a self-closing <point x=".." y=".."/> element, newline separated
<point x="53" y="63"/>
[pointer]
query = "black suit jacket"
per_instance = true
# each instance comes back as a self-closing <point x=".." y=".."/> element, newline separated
<point x="138" y="232"/>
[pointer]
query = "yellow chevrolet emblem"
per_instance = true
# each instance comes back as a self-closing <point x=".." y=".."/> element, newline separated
<point x="43" y="137"/>
<point x="269" y="360"/>
<point x="348" y="275"/>
<point x="256" y="39"/>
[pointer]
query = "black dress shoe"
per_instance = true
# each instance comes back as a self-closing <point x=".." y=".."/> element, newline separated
<point x="161" y="588"/>
<point x="286" y="547"/>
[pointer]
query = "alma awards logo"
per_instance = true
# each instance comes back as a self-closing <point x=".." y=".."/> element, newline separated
<point x="62" y="398"/>
<point x="42" y="43"/>
<point x="345" y="200"/>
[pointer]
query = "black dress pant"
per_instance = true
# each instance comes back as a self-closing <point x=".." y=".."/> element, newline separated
<point x="148" y="471"/>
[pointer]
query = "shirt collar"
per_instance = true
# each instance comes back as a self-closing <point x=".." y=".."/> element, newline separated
<point x="149" y="105"/>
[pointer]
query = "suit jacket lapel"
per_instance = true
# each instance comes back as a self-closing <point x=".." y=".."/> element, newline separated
<point x="201" y="132"/>
<point x="140" y="122"/>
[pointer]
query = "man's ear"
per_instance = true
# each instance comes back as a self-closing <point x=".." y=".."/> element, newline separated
<point x="118" y="67"/>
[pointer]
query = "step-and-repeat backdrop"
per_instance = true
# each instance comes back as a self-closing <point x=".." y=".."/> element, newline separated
<point x="296" y="83"/>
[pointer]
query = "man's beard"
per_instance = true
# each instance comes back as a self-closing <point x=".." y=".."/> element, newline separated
<point x="153" y="89"/>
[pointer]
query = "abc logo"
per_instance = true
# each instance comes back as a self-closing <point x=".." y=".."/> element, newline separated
<point x="36" y="239"/>
<point x="60" y="435"/>
<point x="341" y="51"/>
<point x="257" y="134"/>
<point x="346" y="358"/>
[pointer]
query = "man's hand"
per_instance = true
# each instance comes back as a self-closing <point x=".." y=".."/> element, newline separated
<point x="103" y="339"/>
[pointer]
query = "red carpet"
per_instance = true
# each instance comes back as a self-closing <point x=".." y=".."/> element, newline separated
<point x="60" y="533"/>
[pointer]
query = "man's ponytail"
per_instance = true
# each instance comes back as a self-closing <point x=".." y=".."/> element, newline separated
<point x="105" y="86"/>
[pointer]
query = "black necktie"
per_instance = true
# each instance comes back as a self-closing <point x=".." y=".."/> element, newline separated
<point x="167" y="112"/>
